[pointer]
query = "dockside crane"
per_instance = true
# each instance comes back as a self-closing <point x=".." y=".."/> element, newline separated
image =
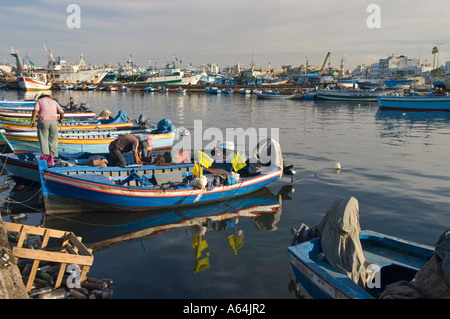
<point x="324" y="63"/>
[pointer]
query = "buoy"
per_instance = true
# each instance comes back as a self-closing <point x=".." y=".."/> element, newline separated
<point x="337" y="168"/>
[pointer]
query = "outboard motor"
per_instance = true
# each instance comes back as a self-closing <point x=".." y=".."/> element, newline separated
<point x="142" y="121"/>
<point x="84" y="106"/>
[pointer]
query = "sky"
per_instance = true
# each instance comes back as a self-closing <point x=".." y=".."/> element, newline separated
<point x="275" y="33"/>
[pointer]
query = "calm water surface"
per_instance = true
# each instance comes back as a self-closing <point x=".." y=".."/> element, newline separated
<point x="396" y="164"/>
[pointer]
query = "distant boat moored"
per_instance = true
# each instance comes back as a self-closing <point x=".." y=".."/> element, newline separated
<point x="415" y="102"/>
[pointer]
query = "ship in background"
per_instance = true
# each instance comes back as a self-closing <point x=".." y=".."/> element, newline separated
<point x="29" y="79"/>
<point x="60" y="72"/>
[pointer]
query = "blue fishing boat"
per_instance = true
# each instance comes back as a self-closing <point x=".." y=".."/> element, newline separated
<point x="150" y="89"/>
<point x="150" y="187"/>
<point x="336" y="260"/>
<point x="24" y="168"/>
<point x="415" y="102"/>
<point x="397" y="258"/>
<point x="213" y="90"/>
<point x="85" y="141"/>
<point x="17" y="103"/>
<point x="95" y="141"/>
<point x="120" y="121"/>
<point x="227" y="91"/>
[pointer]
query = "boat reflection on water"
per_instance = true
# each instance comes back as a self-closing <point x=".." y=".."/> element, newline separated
<point x="413" y="116"/>
<point x="400" y="125"/>
<point x="23" y="198"/>
<point x="102" y="230"/>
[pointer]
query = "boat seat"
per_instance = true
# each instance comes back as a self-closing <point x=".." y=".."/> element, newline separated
<point x="168" y="177"/>
<point x="94" y="177"/>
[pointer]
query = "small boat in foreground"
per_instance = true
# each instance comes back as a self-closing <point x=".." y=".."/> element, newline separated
<point x="149" y="187"/>
<point x="397" y="258"/>
<point x="336" y="260"/>
<point x="415" y="102"/>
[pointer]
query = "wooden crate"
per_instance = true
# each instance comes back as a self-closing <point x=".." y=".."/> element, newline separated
<point x="72" y="251"/>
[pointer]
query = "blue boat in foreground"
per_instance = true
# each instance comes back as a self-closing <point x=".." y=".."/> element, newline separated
<point x="147" y="187"/>
<point x="398" y="259"/>
<point x="336" y="260"/>
<point x="415" y="102"/>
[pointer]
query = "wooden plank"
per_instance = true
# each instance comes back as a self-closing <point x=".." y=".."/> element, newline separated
<point x="52" y="256"/>
<point x="61" y="272"/>
<point x="39" y="231"/>
<point x="76" y="242"/>
<point x="84" y="272"/>
<point x="32" y="275"/>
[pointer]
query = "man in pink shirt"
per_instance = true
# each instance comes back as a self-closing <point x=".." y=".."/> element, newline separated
<point x="46" y="109"/>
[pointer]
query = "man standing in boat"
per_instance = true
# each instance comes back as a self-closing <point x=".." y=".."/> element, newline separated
<point x="46" y="109"/>
<point x="129" y="143"/>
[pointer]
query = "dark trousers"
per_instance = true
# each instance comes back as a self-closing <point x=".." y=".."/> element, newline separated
<point x="117" y="158"/>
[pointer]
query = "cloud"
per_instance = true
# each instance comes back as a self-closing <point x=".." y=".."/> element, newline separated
<point x="227" y="30"/>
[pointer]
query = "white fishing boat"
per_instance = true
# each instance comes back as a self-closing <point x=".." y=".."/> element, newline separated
<point x="34" y="82"/>
<point x="30" y="80"/>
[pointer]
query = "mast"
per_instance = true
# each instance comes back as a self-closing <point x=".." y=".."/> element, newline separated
<point x="51" y="60"/>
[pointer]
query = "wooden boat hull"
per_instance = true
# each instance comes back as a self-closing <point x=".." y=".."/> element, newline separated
<point x="23" y="167"/>
<point x="95" y="189"/>
<point x="415" y="103"/>
<point x="17" y="103"/>
<point x="11" y="113"/>
<point x="11" y="126"/>
<point x="322" y="281"/>
<point x="33" y="84"/>
<point x="76" y="142"/>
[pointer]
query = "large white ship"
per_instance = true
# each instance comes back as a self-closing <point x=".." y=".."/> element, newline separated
<point x="60" y="72"/>
<point x="171" y="76"/>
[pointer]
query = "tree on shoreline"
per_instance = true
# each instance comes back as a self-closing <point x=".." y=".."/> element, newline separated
<point x="434" y="51"/>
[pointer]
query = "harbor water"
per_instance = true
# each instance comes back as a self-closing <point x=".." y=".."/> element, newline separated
<point x="396" y="164"/>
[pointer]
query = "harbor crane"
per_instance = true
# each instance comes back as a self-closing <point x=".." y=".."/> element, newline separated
<point x="324" y="62"/>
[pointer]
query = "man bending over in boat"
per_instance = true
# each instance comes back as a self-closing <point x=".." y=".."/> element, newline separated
<point x="129" y="143"/>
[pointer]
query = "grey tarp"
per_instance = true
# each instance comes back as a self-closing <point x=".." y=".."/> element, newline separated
<point x="340" y="230"/>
